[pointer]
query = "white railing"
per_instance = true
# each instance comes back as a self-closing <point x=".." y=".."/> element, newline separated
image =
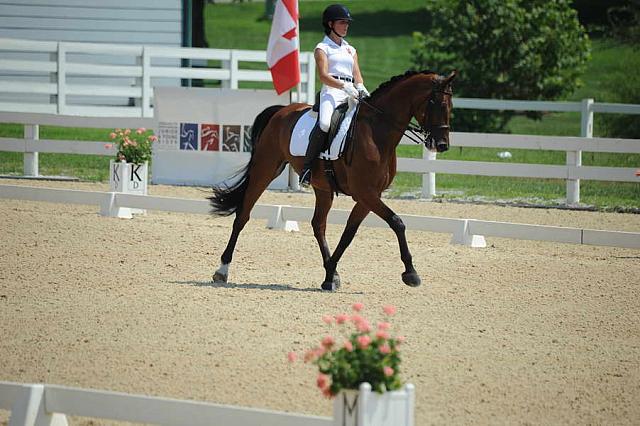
<point x="38" y="404"/>
<point x="54" y="71"/>
<point x="586" y="108"/>
<point x="469" y="232"/>
<point x="572" y="171"/>
<point x="31" y="144"/>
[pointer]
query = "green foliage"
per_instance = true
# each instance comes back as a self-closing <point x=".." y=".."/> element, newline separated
<point x="511" y="49"/>
<point x="362" y="356"/>
<point x="133" y="146"/>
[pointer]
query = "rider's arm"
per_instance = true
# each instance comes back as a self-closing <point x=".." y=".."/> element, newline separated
<point x="357" y="75"/>
<point x="322" y="65"/>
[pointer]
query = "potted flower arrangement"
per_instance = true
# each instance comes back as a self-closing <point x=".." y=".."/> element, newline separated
<point x="128" y="173"/>
<point x="361" y="370"/>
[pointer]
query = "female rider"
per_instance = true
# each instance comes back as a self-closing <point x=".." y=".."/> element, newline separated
<point x="338" y="69"/>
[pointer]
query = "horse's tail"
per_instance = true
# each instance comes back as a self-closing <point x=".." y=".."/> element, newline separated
<point x="226" y="199"/>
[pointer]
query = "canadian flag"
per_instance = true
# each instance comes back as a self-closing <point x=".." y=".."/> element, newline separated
<point x="282" y="51"/>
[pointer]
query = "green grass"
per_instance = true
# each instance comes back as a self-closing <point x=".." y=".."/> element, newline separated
<point x="383" y="39"/>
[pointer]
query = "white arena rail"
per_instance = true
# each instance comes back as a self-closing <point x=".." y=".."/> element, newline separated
<point x="120" y="78"/>
<point x="469" y="232"/>
<point x="38" y="404"/>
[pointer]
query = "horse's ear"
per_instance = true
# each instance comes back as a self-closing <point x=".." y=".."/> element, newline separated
<point x="451" y="77"/>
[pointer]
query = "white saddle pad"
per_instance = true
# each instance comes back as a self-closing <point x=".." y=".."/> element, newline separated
<point x="302" y="130"/>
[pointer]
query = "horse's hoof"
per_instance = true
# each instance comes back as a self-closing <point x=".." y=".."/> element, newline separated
<point x="330" y="285"/>
<point x="412" y="279"/>
<point x="219" y="278"/>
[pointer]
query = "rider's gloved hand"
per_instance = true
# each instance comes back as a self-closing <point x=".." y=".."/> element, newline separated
<point x="362" y="91"/>
<point x="350" y="90"/>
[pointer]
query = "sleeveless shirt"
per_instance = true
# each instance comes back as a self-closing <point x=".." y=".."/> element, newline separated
<point x="340" y="57"/>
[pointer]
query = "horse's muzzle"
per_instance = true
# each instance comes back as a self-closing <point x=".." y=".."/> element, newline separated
<point x="442" y="145"/>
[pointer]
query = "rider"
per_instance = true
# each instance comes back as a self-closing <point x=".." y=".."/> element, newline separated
<point x="338" y="69"/>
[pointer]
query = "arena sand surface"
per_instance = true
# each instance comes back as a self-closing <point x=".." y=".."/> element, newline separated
<point x="520" y="332"/>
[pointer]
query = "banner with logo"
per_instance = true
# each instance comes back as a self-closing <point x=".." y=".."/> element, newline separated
<point x="204" y="135"/>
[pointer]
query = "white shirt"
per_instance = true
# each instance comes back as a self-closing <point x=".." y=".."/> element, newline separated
<point x="340" y="56"/>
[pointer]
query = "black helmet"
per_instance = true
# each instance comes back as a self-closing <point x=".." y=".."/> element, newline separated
<point x="334" y="13"/>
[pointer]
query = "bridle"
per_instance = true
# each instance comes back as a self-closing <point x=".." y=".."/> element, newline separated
<point x="417" y="133"/>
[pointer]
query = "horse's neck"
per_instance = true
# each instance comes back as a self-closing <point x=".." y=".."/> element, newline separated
<point x="397" y="104"/>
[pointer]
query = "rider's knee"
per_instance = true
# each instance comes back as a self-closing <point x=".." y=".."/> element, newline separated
<point x="324" y="125"/>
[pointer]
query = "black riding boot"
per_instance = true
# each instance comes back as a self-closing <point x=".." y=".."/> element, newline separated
<point x="316" y="144"/>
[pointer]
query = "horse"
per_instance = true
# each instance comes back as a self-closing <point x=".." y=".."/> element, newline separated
<point x="364" y="174"/>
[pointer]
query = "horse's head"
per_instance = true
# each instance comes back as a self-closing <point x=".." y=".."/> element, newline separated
<point x="435" y="114"/>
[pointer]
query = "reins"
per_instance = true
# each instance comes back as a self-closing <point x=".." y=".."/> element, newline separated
<point x="417" y="131"/>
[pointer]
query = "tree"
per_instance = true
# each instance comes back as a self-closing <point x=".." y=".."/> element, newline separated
<point x="503" y="49"/>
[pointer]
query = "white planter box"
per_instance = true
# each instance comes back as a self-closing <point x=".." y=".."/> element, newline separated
<point x="128" y="178"/>
<point x="367" y="408"/>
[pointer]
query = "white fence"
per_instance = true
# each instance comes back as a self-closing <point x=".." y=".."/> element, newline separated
<point x="40" y="405"/>
<point x="469" y="232"/>
<point x="58" y="67"/>
<point x="64" y="61"/>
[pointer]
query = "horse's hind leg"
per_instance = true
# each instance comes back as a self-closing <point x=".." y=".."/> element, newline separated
<point x="262" y="172"/>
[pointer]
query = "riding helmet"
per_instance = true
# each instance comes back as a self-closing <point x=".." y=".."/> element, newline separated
<point x="333" y="13"/>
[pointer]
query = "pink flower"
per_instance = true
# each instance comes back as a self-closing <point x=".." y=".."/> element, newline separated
<point x="141" y="130"/>
<point x="389" y="309"/>
<point x="364" y="341"/>
<point x="342" y="318"/>
<point x="112" y="135"/>
<point x="309" y="355"/>
<point x="381" y="334"/>
<point x="363" y="326"/>
<point x="326" y="392"/>
<point x="384" y="326"/>
<point x="388" y="371"/>
<point x="348" y="346"/>
<point x="400" y="339"/>
<point x="292" y="356"/>
<point x="153" y="138"/>
<point x="327" y="319"/>
<point x="328" y="341"/>
<point x="385" y="349"/>
<point x="127" y="131"/>
<point x="356" y="319"/>
<point x="358" y="306"/>
<point x="108" y="145"/>
<point x="323" y="381"/>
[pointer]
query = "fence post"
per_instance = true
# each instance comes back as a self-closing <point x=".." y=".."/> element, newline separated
<point x="234" y="69"/>
<point x="30" y="159"/>
<point x="574" y="158"/>
<point x="226" y="65"/>
<point x="311" y="79"/>
<point x="428" y="179"/>
<point x="146" y="83"/>
<point x="62" y="78"/>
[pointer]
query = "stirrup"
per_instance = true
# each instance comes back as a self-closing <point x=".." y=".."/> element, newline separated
<point x="305" y="177"/>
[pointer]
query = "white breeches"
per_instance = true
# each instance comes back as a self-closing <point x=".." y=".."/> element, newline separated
<point x="330" y="97"/>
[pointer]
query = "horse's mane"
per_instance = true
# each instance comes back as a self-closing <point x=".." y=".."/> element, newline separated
<point x="396" y="79"/>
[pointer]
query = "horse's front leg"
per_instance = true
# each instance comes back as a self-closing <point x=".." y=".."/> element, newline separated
<point x="324" y="200"/>
<point x="358" y="213"/>
<point x="410" y="277"/>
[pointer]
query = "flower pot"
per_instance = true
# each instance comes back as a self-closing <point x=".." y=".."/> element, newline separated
<point x="366" y="408"/>
<point x="128" y="178"/>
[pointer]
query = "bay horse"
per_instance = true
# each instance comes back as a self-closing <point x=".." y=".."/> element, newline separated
<point x="371" y="166"/>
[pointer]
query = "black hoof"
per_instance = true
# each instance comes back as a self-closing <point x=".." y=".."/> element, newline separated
<point x="412" y="279"/>
<point x="332" y="285"/>
<point x="219" y="278"/>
